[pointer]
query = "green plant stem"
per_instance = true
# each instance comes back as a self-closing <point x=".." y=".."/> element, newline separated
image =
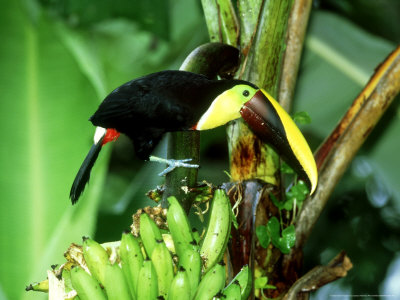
<point x="210" y="60"/>
<point x="182" y="145"/>
<point x="221" y="21"/>
<point x="262" y="43"/>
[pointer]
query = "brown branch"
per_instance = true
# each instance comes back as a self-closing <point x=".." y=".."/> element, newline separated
<point x="352" y="112"/>
<point x="319" y="276"/>
<point x="297" y="26"/>
<point x="344" y="142"/>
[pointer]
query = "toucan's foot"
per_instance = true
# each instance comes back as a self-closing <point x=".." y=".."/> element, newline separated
<point x="173" y="163"/>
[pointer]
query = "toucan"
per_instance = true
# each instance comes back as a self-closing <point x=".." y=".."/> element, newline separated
<point x="146" y="108"/>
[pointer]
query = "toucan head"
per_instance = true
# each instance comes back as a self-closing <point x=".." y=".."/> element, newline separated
<point x="268" y="120"/>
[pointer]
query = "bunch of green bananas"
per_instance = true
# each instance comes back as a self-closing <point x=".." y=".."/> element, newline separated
<point x="152" y="266"/>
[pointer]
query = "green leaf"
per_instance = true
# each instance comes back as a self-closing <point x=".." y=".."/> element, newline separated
<point x="286" y="169"/>
<point x="273" y="228"/>
<point x="288" y="204"/>
<point x="302" y="187"/>
<point x="298" y="193"/>
<point x="279" y="204"/>
<point x="302" y="117"/>
<point x="263" y="236"/>
<point x="288" y="239"/>
<point x="46" y="100"/>
<point x="272" y="234"/>
<point x="262" y="283"/>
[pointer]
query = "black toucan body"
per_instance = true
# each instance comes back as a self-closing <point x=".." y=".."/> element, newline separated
<point x="146" y="108"/>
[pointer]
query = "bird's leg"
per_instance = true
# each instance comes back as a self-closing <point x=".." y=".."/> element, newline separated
<point x="172" y="163"/>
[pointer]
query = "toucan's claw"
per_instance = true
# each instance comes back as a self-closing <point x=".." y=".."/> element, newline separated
<point x="173" y="163"/>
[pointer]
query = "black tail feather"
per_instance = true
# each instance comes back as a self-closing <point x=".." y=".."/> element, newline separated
<point x="83" y="176"/>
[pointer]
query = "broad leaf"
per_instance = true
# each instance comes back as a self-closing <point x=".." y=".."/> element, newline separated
<point x="45" y="103"/>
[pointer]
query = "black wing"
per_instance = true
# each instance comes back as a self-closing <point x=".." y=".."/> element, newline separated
<point x="167" y="98"/>
<point x="147" y="107"/>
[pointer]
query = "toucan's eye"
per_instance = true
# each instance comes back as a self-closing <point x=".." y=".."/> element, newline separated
<point x="246" y="93"/>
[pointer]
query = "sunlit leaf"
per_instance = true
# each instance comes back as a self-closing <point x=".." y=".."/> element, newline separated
<point x="298" y="193"/>
<point x="288" y="239"/>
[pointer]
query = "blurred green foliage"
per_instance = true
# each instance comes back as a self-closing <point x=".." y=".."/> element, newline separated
<point x="151" y="16"/>
<point x="380" y="17"/>
<point x="58" y="59"/>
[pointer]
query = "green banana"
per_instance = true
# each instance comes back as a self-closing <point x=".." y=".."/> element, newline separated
<point x="212" y="283"/>
<point x="179" y="227"/>
<point x="245" y="280"/>
<point x="85" y="285"/>
<point x="115" y="283"/>
<point x="96" y="258"/>
<point x="191" y="262"/>
<point x="42" y="286"/>
<point x="163" y="264"/>
<point x="180" y="286"/>
<point x="232" y="292"/>
<point x="149" y="233"/>
<point x="131" y="260"/>
<point x="218" y="230"/>
<point x="147" y="283"/>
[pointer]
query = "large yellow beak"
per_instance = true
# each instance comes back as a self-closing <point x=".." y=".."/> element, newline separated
<point x="272" y="124"/>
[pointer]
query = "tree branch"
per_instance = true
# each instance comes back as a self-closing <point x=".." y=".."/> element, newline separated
<point x="319" y="276"/>
<point x="341" y="146"/>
